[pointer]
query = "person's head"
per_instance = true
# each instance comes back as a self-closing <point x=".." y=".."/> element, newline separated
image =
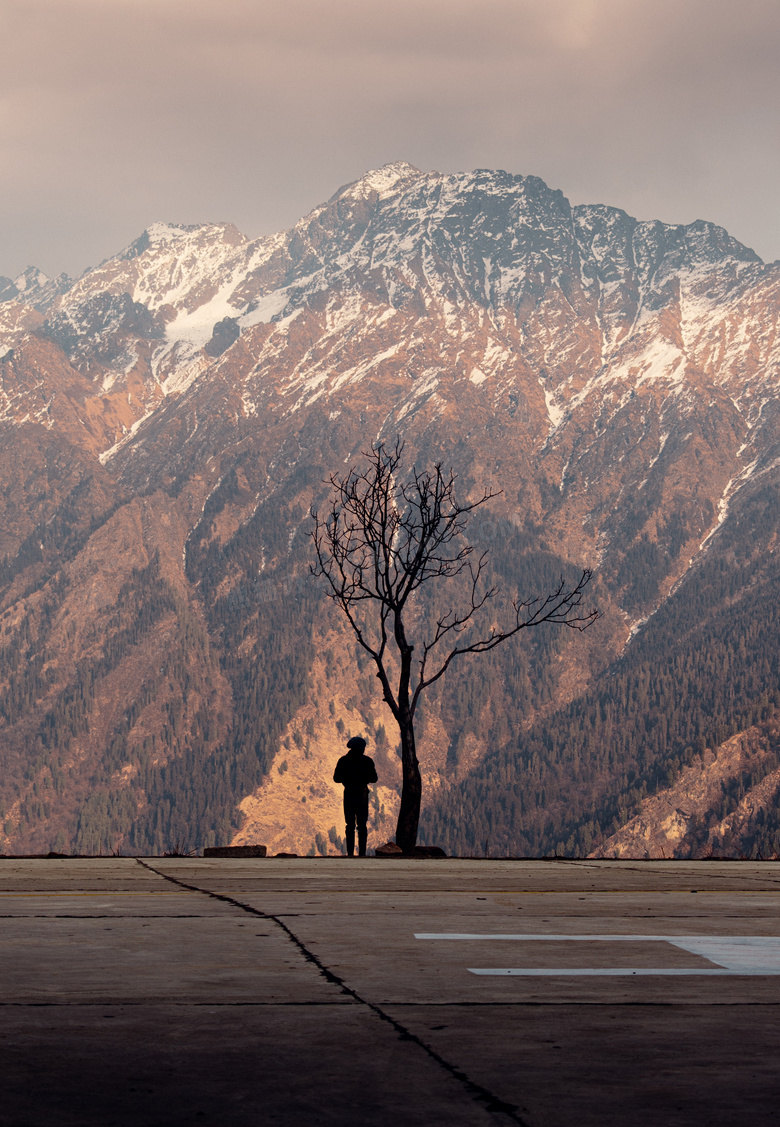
<point x="356" y="745"/>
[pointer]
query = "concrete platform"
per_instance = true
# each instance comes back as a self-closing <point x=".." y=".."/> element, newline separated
<point x="325" y="991"/>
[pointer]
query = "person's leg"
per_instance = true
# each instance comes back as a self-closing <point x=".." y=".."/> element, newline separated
<point x="362" y="827"/>
<point x="349" y="828"/>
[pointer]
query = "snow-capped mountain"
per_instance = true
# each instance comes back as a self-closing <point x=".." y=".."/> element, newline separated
<point x="178" y="407"/>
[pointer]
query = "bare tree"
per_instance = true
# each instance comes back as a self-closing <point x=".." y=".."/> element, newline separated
<point x="382" y="541"/>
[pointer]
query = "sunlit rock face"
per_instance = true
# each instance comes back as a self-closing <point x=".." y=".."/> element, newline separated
<point x="168" y="420"/>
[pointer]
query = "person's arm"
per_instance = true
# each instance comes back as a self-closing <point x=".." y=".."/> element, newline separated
<point x="338" y="774"/>
<point x="371" y="776"/>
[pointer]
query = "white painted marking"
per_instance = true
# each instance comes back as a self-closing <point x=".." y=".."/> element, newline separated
<point x="548" y="971"/>
<point x="730" y="954"/>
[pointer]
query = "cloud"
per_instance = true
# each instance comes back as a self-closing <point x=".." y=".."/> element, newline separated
<point x="114" y="113"/>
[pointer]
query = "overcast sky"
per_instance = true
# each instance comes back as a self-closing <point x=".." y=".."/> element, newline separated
<point x="117" y="113"/>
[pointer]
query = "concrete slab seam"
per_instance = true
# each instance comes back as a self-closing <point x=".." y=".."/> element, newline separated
<point x="491" y="1102"/>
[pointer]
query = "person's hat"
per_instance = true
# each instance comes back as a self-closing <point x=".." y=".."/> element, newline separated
<point x="357" y="743"/>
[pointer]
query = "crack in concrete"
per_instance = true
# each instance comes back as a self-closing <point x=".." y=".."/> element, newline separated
<point x="491" y="1102"/>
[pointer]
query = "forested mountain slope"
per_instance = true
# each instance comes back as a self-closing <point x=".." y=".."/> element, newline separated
<point x="705" y="667"/>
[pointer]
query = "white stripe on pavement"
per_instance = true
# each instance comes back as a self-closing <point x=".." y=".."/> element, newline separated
<point x="730" y="954"/>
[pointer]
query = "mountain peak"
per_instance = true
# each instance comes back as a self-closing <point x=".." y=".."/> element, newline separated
<point x="160" y="235"/>
<point x="165" y="232"/>
<point x="31" y="279"/>
<point x="33" y="288"/>
<point x="381" y="180"/>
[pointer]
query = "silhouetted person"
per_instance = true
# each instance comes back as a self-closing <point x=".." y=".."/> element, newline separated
<point x="355" y="771"/>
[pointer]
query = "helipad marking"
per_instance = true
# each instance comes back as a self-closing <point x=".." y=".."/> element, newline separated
<point x="730" y="954"/>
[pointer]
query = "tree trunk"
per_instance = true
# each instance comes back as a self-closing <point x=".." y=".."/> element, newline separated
<point x="411" y="788"/>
